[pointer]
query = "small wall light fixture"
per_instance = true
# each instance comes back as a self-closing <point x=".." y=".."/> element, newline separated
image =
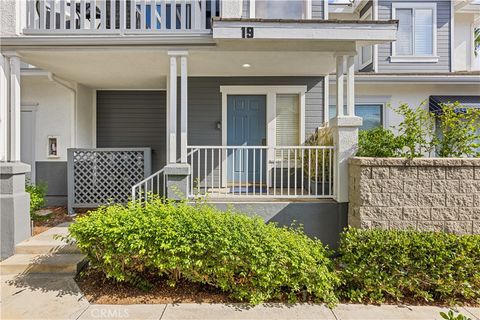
<point x="218" y="125"/>
<point x="52" y="151"/>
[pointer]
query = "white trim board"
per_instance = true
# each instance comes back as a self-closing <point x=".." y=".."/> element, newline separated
<point x="270" y="92"/>
<point x="433" y="58"/>
<point x="32" y="108"/>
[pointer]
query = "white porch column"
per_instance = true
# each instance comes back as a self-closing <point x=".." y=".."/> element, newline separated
<point x="4" y="107"/>
<point x="184" y="109"/>
<point x="172" y="111"/>
<point x="345" y="129"/>
<point x="10" y="107"/>
<point x="14" y="201"/>
<point x="177" y="174"/>
<point x="350" y="86"/>
<point x="340" y="84"/>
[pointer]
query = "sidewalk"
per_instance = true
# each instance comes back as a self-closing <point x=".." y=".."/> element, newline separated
<point x="58" y="297"/>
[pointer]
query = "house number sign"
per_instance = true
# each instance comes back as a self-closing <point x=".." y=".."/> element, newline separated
<point x="247" y="32"/>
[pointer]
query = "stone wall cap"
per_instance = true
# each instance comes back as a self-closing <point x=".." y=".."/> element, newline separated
<point x="416" y="162"/>
<point x="14" y="167"/>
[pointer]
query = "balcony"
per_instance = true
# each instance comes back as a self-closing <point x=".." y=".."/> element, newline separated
<point x="115" y="17"/>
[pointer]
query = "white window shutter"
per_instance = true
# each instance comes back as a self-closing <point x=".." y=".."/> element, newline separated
<point x="423" y="32"/>
<point x="404" y="43"/>
<point x="287" y="120"/>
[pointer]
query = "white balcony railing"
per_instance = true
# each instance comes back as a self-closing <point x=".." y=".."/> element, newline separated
<point x="119" y="16"/>
<point x="275" y="172"/>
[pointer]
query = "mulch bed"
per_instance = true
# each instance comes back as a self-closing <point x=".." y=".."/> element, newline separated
<point x="100" y="290"/>
<point x="97" y="289"/>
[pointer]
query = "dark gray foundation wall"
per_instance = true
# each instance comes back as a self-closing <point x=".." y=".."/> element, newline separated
<point x="324" y="220"/>
<point x="54" y="175"/>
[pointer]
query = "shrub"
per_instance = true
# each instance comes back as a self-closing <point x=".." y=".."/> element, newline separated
<point x="243" y="256"/>
<point x="37" y="196"/>
<point x="415" y="131"/>
<point x="378" y="142"/>
<point x="458" y="131"/>
<point x="379" y="265"/>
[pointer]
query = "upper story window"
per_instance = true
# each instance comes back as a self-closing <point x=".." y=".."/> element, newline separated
<point x="417" y="32"/>
<point x="366" y="52"/>
<point x="280" y="9"/>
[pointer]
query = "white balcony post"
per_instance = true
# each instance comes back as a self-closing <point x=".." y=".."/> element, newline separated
<point x="340" y="84"/>
<point x="14" y="107"/>
<point x="344" y="129"/>
<point x="172" y="111"/>
<point x="350" y="86"/>
<point x="4" y="119"/>
<point x="184" y="109"/>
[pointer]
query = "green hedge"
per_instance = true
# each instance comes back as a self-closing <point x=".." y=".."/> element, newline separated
<point x="243" y="256"/>
<point x="379" y="265"/>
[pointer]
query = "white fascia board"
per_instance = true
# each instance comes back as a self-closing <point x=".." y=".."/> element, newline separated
<point x="414" y="79"/>
<point x="372" y="32"/>
<point x="201" y="39"/>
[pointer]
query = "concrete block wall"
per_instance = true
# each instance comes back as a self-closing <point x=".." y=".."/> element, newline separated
<point x="434" y="194"/>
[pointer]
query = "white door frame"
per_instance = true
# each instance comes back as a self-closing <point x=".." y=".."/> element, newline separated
<point x="32" y="107"/>
<point x="270" y="92"/>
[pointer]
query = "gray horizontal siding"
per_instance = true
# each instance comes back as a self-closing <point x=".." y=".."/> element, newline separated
<point x="205" y="104"/>
<point x="133" y="119"/>
<point x="443" y="41"/>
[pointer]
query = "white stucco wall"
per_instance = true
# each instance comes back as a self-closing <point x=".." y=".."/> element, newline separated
<point x="463" y="41"/>
<point x="412" y="94"/>
<point x="85" y="117"/>
<point x="54" y="116"/>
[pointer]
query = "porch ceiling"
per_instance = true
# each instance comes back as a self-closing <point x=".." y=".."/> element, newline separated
<point x="147" y="68"/>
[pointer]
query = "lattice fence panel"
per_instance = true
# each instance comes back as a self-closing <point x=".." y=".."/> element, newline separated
<point x="101" y="176"/>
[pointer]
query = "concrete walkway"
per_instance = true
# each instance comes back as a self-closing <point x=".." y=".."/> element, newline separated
<point x="58" y="297"/>
<point x="37" y="294"/>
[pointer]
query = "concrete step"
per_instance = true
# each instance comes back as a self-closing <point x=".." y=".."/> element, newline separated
<point x="45" y="242"/>
<point x="43" y="263"/>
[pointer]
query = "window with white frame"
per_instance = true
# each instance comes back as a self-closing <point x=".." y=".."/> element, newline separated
<point x="287" y="120"/>
<point x="416" y="37"/>
<point x="371" y="113"/>
<point x="280" y="9"/>
<point x="366" y="52"/>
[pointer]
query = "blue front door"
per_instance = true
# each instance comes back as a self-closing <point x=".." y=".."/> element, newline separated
<point x="246" y="126"/>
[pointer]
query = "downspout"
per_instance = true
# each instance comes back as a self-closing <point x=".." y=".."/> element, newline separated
<point x="64" y="83"/>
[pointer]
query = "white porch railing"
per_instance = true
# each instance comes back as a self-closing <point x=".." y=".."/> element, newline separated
<point x="119" y="16"/>
<point x="153" y="184"/>
<point x="275" y="172"/>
